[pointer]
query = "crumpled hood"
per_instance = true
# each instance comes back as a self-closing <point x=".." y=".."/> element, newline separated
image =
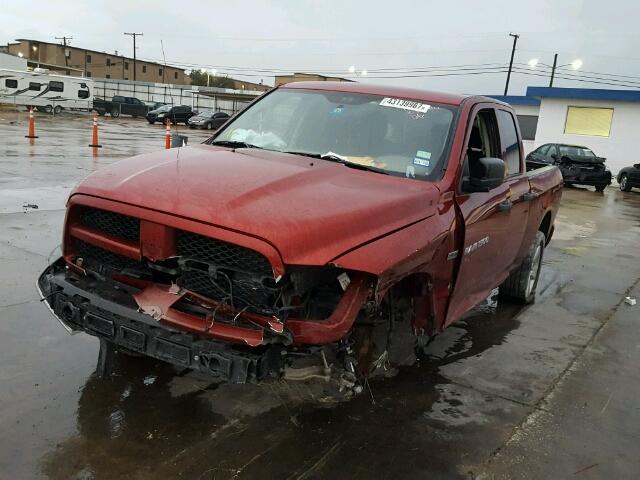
<point x="311" y="210"/>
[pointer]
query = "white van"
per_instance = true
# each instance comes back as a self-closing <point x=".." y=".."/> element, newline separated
<point x="46" y="92"/>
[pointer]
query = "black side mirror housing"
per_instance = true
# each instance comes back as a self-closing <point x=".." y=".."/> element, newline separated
<point x="487" y="174"/>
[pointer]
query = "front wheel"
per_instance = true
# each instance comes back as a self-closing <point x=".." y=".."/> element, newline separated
<point x="57" y="109"/>
<point x="209" y="126"/>
<point x="600" y="188"/>
<point x="521" y="284"/>
<point x="48" y="109"/>
<point x="624" y="184"/>
<point x="115" y="113"/>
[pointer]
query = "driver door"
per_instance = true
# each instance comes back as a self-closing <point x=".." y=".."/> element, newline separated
<point x="488" y="248"/>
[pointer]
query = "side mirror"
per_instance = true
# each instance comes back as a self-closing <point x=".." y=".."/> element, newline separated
<point x="637" y="165"/>
<point x="486" y="174"/>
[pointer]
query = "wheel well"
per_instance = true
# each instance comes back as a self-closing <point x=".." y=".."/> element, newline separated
<point x="545" y="226"/>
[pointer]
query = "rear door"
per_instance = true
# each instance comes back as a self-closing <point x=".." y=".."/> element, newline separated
<point x="492" y="228"/>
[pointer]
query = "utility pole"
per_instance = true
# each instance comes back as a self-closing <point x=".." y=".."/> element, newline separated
<point x="134" y="35"/>
<point x="553" y="69"/>
<point x="513" y="52"/>
<point x="64" y="42"/>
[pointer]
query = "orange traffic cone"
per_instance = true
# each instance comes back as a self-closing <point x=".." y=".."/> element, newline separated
<point x="94" y="139"/>
<point x="167" y="136"/>
<point x="32" y="126"/>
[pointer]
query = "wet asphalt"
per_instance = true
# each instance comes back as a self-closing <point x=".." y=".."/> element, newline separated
<point x="546" y="391"/>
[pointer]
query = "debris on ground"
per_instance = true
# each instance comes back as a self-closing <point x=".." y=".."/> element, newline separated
<point x="630" y="301"/>
<point x="29" y="206"/>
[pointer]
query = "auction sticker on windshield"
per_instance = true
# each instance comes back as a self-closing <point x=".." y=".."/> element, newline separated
<point x="404" y="104"/>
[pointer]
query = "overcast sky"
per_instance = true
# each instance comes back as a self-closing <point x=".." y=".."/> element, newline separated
<point x="331" y="35"/>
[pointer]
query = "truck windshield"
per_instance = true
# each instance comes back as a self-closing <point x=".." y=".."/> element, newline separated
<point x="391" y="135"/>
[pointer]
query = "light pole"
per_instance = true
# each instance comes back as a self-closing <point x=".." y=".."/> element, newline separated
<point x="213" y="72"/>
<point x="575" y="65"/>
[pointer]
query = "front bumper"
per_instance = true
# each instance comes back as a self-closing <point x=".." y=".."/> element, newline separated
<point x="106" y="312"/>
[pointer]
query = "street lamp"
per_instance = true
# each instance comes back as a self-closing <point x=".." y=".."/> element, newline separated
<point x="20" y="54"/>
<point x="213" y="72"/>
<point x="364" y="73"/>
<point x="575" y="65"/>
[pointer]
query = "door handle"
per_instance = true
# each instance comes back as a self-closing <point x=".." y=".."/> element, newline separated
<point x="528" y="196"/>
<point x="505" y="206"/>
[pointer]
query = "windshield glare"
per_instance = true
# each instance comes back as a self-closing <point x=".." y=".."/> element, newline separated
<point x="401" y="137"/>
<point x="164" y="108"/>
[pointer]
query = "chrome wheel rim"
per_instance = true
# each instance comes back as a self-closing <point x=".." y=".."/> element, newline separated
<point x="535" y="268"/>
<point x="623" y="183"/>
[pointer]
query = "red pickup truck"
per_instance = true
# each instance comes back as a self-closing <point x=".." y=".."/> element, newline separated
<point x="319" y="208"/>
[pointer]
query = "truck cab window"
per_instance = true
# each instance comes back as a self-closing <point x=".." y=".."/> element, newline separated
<point x="510" y="143"/>
<point x="483" y="140"/>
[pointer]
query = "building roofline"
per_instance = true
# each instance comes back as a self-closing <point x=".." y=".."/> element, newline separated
<point x="18" y="40"/>
<point x="584" y="94"/>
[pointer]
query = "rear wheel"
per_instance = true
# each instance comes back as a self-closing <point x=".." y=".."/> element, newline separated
<point x="624" y="183"/>
<point x="57" y="109"/>
<point x="48" y="109"/>
<point x="209" y="126"/>
<point x="115" y="113"/>
<point x="521" y="285"/>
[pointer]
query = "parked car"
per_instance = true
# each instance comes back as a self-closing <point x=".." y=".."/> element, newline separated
<point x="629" y="177"/>
<point x="324" y="212"/>
<point x="120" y="105"/>
<point x="208" y="119"/>
<point x="578" y="164"/>
<point x="174" y="114"/>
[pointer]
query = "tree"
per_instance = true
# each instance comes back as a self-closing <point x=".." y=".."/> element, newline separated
<point x="199" y="78"/>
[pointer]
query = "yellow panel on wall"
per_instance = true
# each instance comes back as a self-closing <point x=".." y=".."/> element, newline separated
<point x="589" y="121"/>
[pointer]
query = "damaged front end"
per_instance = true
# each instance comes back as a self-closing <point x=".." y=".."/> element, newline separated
<point x="584" y="171"/>
<point x="150" y="286"/>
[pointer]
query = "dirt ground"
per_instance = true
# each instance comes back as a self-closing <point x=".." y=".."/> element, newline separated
<point x="547" y="391"/>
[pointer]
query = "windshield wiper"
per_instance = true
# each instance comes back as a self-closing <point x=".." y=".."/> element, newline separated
<point x="334" y="157"/>
<point x="233" y="144"/>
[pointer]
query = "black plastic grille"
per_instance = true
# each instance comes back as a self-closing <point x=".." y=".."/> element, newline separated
<point x="243" y="294"/>
<point x="222" y="254"/>
<point x="95" y="257"/>
<point x="116" y="224"/>
<point x="236" y="273"/>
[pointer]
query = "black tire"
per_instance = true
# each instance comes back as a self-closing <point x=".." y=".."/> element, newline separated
<point x="209" y="126"/>
<point x="151" y="122"/>
<point x="600" y="188"/>
<point x="521" y="285"/>
<point x="48" y="109"/>
<point x="115" y="113"/>
<point x="57" y="109"/>
<point x="100" y="112"/>
<point x="624" y="183"/>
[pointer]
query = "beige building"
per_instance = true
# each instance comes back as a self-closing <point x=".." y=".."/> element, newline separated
<point x="307" y="77"/>
<point x="71" y="60"/>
